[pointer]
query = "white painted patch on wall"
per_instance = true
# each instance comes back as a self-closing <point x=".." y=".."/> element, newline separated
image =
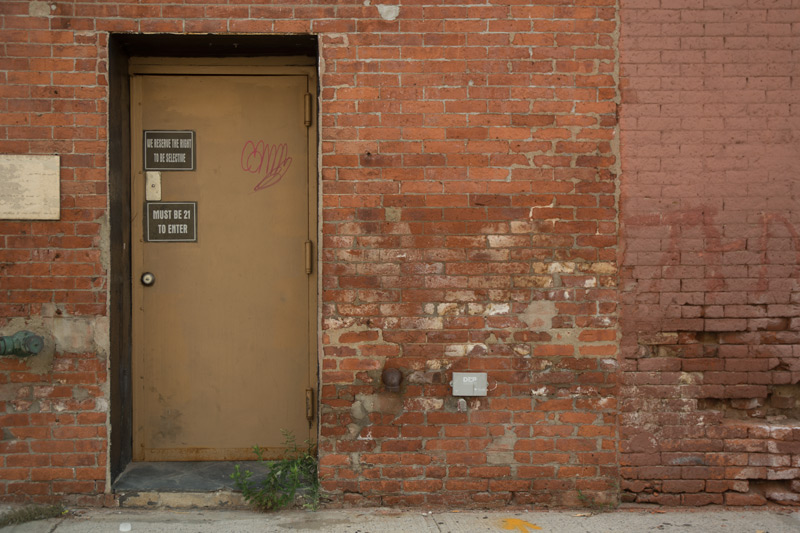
<point x="561" y="268"/>
<point x="461" y="350"/>
<point x="388" y="12"/>
<point x="608" y="364"/>
<point x="523" y="350"/>
<point x="539" y="315"/>
<point x="29" y="187"/>
<point x="77" y="335"/>
<point x="497" y="309"/>
<point x="603" y="321"/>
<point x="606" y="403"/>
<point x="437" y="364"/>
<point x="425" y="323"/>
<point x="604" y="268"/>
<point x="558" y="295"/>
<point x="337" y="323"/>
<point x="430" y="404"/>
<point x="101" y="404"/>
<point x="448" y="309"/>
<point x="393" y="214"/>
<point x="40" y="9"/>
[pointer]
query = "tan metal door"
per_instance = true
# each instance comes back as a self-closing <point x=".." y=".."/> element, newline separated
<point x="224" y="337"/>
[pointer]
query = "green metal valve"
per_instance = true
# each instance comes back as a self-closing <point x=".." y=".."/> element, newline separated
<point x="21" y="343"/>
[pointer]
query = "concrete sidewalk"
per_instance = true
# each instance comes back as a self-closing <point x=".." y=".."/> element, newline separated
<point x="417" y="521"/>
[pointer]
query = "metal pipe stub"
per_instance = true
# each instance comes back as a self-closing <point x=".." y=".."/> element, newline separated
<point x="391" y="378"/>
<point x="22" y="343"/>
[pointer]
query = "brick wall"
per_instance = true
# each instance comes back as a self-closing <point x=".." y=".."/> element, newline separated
<point x="469" y="222"/>
<point x="710" y="251"/>
<point x="469" y="163"/>
<point x="52" y="279"/>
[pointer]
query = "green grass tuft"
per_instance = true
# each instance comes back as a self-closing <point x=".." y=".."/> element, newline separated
<point x="293" y="476"/>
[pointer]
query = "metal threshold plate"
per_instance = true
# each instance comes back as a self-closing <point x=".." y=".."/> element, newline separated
<point x="205" y="476"/>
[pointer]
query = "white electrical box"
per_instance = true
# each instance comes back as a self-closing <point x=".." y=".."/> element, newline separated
<point x="469" y="383"/>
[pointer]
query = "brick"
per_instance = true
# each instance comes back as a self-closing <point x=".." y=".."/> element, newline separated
<point x="733" y="498"/>
<point x="50" y="473"/>
<point x="697" y="500"/>
<point x="683" y="485"/>
<point x="422" y="485"/>
<point x="472" y="485"/>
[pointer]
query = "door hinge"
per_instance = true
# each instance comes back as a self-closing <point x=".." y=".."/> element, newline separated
<point x="307" y="110"/>
<point x="309" y="256"/>
<point x="310" y="404"/>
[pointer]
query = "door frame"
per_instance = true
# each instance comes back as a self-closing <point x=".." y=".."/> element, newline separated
<point x="123" y="66"/>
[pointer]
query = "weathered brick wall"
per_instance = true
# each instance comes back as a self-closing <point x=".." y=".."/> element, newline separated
<point x="469" y="222"/>
<point x="53" y="408"/>
<point x="710" y="316"/>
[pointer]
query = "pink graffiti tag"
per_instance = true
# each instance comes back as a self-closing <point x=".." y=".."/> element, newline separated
<point x="271" y="161"/>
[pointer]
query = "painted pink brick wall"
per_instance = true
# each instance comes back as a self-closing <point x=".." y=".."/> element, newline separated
<point x="710" y="138"/>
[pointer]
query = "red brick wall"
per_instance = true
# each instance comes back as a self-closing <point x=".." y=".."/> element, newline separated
<point x="52" y="280"/>
<point x="469" y="222"/>
<point x="710" y="250"/>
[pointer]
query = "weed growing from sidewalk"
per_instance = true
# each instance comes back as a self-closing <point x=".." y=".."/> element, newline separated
<point x="591" y="502"/>
<point x="30" y="513"/>
<point x="297" y="470"/>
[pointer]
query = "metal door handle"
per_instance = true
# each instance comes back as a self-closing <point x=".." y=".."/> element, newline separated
<point x="148" y="279"/>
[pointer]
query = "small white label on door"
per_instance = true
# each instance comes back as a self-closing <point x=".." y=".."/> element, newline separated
<point x="152" y="186"/>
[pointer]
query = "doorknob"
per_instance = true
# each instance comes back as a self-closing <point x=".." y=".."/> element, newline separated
<point x="148" y="279"/>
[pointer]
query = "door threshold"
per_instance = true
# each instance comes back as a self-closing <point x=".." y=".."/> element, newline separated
<point x="181" y="500"/>
<point x="185" y="476"/>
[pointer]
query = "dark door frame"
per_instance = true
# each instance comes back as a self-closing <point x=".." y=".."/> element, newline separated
<point x="121" y="48"/>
